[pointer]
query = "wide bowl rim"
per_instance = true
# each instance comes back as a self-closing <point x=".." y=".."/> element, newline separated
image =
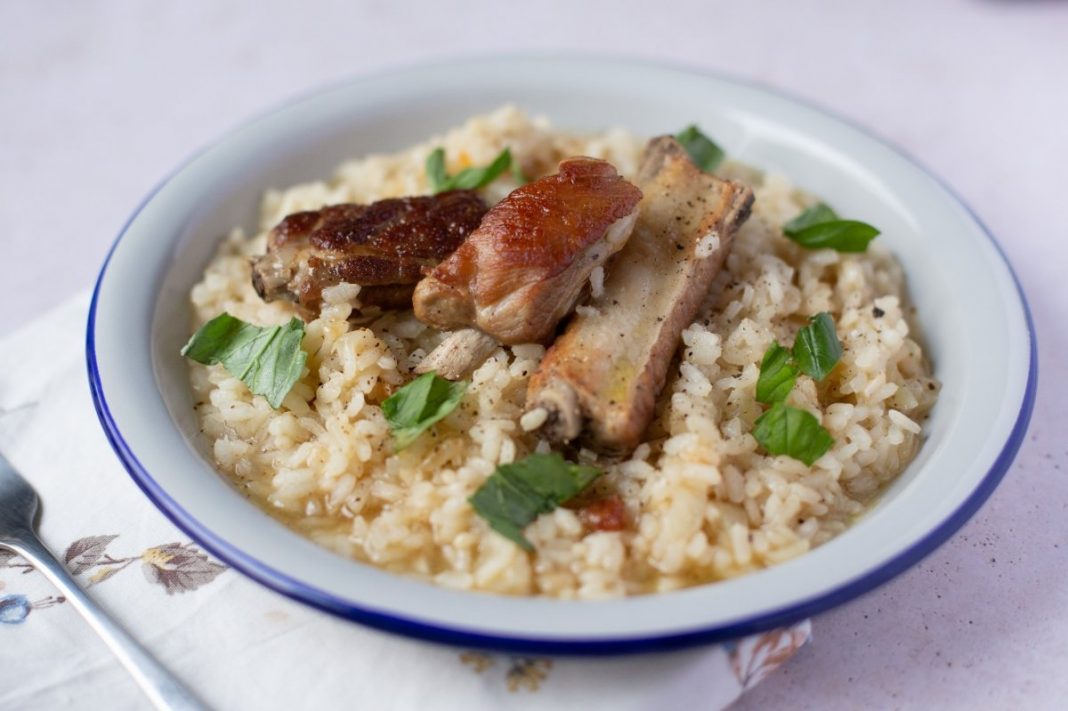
<point x="460" y="636"/>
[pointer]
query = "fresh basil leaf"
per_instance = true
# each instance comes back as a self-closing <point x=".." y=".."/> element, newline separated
<point x="266" y="359"/>
<point x="520" y="177"/>
<point x="793" y="432"/>
<point x="814" y="215"/>
<point x="419" y="404"/>
<point x="435" y="170"/>
<point x="474" y="178"/>
<point x="842" y="236"/>
<point x="819" y="227"/>
<point x="703" y="151"/>
<point x="517" y="493"/>
<point x="816" y="347"/>
<point x="777" y="375"/>
<point x="466" y="179"/>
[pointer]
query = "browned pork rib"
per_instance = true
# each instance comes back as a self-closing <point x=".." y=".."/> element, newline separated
<point x="523" y="269"/>
<point x="599" y="381"/>
<point x="384" y="247"/>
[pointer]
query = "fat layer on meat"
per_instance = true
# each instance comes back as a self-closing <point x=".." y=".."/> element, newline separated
<point x="599" y="381"/>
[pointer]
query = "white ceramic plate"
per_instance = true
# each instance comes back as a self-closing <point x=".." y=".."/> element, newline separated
<point x="971" y="310"/>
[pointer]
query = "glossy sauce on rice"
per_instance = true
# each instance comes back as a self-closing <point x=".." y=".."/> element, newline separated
<point x="702" y="502"/>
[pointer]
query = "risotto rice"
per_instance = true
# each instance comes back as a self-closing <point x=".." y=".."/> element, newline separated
<point x="704" y="503"/>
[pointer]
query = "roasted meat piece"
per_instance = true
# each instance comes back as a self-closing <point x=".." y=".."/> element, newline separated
<point x="608" y="513"/>
<point x="384" y="247"/>
<point x="523" y="269"/>
<point x="599" y="381"/>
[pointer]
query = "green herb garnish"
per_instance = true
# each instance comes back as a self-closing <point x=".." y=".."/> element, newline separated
<point x="819" y="213"/>
<point x="819" y="226"/>
<point x="777" y="375"/>
<point x="793" y="432"/>
<point x="515" y="494"/>
<point x="703" y="151"/>
<point x="466" y="179"/>
<point x="266" y="359"/>
<point x="788" y="430"/>
<point x="419" y="404"/>
<point x="816" y="347"/>
<point x="518" y="175"/>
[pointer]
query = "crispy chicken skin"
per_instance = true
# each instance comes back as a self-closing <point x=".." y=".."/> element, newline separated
<point x="599" y="381"/>
<point x="523" y="269"/>
<point x="384" y="247"/>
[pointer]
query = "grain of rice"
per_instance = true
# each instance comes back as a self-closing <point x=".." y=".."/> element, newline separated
<point x="533" y="419"/>
<point x="597" y="282"/>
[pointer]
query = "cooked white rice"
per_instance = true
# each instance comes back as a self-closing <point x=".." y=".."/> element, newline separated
<point x="703" y="502"/>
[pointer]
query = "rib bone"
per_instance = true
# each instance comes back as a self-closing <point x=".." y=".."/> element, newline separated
<point x="600" y="379"/>
<point x="459" y="354"/>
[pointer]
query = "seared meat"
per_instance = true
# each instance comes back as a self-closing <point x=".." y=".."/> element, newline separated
<point x="384" y="247"/>
<point x="601" y="377"/>
<point x="605" y="514"/>
<point x="523" y="269"/>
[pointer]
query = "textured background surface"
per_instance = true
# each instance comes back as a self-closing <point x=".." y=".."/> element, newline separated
<point x="101" y="99"/>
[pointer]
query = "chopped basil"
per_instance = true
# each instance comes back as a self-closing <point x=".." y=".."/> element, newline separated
<point x="266" y="359"/>
<point x="703" y="151"/>
<point x="777" y="375"/>
<point x="819" y="227"/>
<point x="419" y="404"/>
<point x="816" y="347"/>
<point x="435" y="170"/>
<point x="516" y="493"/>
<point x="841" y="235"/>
<point x="814" y="215"/>
<point x="788" y="430"/>
<point x="466" y="179"/>
<point x="793" y="432"/>
<point x="518" y="175"/>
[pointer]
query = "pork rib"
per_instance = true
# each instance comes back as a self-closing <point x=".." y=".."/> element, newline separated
<point x="600" y="380"/>
<point x="522" y="270"/>
<point x="384" y="247"/>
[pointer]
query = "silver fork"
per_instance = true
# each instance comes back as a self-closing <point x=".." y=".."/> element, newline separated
<point x="18" y="513"/>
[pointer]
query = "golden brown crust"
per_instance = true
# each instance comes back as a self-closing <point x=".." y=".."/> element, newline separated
<point x="384" y="247"/>
<point x="522" y="269"/>
<point x="600" y="379"/>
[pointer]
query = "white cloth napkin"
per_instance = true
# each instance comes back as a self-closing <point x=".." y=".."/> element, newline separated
<point x="236" y="644"/>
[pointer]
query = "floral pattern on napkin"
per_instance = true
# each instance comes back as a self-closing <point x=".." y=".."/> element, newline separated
<point x="753" y="658"/>
<point x="16" y="608"/>
<point x="523" y="673"/>
<point x="176" y="567"/>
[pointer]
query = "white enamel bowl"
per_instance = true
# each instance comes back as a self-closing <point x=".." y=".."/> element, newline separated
<point x="972" y="313"/>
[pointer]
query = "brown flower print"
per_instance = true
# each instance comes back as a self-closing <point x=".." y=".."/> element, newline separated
<point x="10" y="559"/>
<point x="179" y="567"/>
<point x="523" y="673"/>
<point x="85" y="552"/>
<point x="478" y="661"/>
<point x="754" y="658"/>
<point x="528" y="673"/>
<point x="176" y="567"/>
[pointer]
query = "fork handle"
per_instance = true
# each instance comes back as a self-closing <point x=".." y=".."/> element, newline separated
<point x="161" y="688"/>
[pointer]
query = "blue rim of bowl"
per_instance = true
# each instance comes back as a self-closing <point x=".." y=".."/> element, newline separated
<point x="455" y="636"/>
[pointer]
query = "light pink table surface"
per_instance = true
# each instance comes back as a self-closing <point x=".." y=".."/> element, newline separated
<point x="99" y="100"/>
